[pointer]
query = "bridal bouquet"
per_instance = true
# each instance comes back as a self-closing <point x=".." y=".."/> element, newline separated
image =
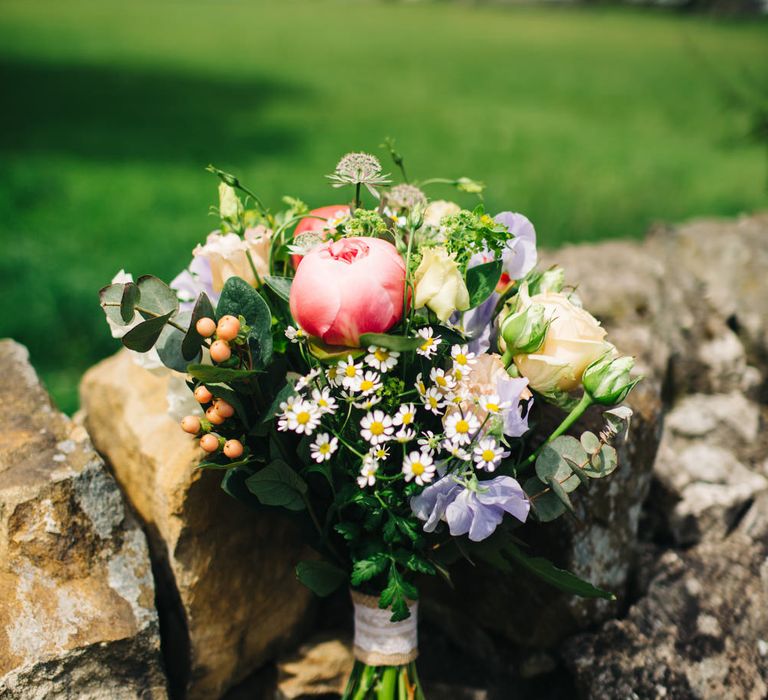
<point x="372" y="368"/>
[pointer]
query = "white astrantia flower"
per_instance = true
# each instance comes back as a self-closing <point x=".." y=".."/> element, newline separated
<point x="323" y="447"/>
<point x="369" y="383"/>
<point x="368" y="472"/>
<point x="455" y="450"/>
<point x="301" y="416"/>
<point x="367" y="403"/>
<point x="461" y="428"/>
<point x="325" y="402"/>
<point x="421" y="387"/>
<point x="429" y="440"/>
<point x="419" y="466"/>
<point x="405" y="435"/>
<point x="442" y="380"/>
<point x="488" y="454"/>
<point x="349" y="373"/>
<point x="381" y="358"/>
<point x="307" y="379"/>
<point x="295" y="335"/>
<point x="405" y="415"/>
<point x="433" y="401"/>
<point x="376" y="427"/>
<point x="429" y="347"/>
<point x="462" y="357"/>
<point x="493" y="404"/>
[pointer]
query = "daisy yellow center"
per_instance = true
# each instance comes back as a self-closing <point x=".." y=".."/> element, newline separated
<point x="322" y="402"/>
<point x="366" y="385"/>
<point x="417" y="468"/>
<point x="440" y="381"/>
<point x="377" y="428"/>
<point x="302" y="418"/>
<point x="350" y="371"/>
<point x="458" y="374"/>
<point x="492" y="407"/>
<point x="324" y="449"/>
<point x="433" y="402"/>
<point x="407" y="418"/>
<point x="462" y="426"/>
<point x="332" y="373"/>
<point x="461" y="358"/>
<point x="427" y="344"/>
<point x="488" y="455"/>
<point x="381" y="355"/>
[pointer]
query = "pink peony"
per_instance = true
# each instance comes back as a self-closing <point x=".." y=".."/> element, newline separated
<point x="349" y="287"/>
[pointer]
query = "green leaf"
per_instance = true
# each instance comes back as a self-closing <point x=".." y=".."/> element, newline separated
<point x="210" y="373"/>
<point x="321" y="577"/>
<point x="238" y="298"/>
<point x="193" y="340"/>
<point x="274" y="407"/>
<point x="329" y="353"/>
<point x="128" y="301"/>
<point x="141" y="338"/>
<point x="560" y="492"/>
<point x="546" y="505"/>
<point x="365" y="569"/>
<point x="559" y="578"/>
<point x="398" y="343"/>
<point x="280" y="286"/>
<point x="482" y="281"/>
<point x="415" y="562"/>
<point x="110" y="298"/>
<point x="590" y="442"/>
<point x="278" y="485"/>
<point x="169" y="344"/>
<point x="156" y="296"/>
<point x="551" y="461"/>
<point x="222" y="391"/>
<point x="603" y="463"/>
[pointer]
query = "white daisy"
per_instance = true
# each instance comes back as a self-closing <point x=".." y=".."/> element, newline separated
<point x="462" y="357"/>
<point x="323" y="447"/>
<point x="376" y="427"/>
<point x="368" y="473"/>
<point x="492" y="403"/>
<point x="379" y="452"/>
<point x="349" y="373"/>
<point x="442" y="380"/>
<point x="405" y="415"/>
<point x="367" y="403"/>
<point x="460" y="428"/>
<point x="429" y="347"/>
<point x="460" y="372"/>
<point x="488" y="454"/>
<point x="419" y="466"/>
<point x="381" y="358"/>
<point x="433" y="401"/>
<point x="307" y="379"/>
<point x="325" y="402"/>
<point x="302" y="417"/>
<point x="421" y="387"/>
<point x="369" y="383"/>
<point x="405" y="435"/>
<point x="456" y="397"/>
<point x="429" y="440"/>
<point x="455" y="450"/>
<point x="332" y="375"/>
<point x="295" y="335"/>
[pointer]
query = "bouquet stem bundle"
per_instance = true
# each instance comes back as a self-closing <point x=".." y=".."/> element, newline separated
<point x="383" y="683"/>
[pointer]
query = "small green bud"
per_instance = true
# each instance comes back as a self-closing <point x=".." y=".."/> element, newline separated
<point x="230" y="206"/>
<point x="524" y="331"/>
<point x="227" y="178"/>
<point x="607" y="379"/>
<point x="552" y="280"/>
<point x="465" y="184"/>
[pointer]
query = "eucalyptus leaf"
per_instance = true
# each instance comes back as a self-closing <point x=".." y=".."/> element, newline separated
<point x="128" y="301"/>
<point x="193" y="341"/>
<point x="551" y="463"/>
<point x="482" y="280"/>
<point x="546" y="505"/>
<point x="156" y="296"/>
<point x="560" y="492"/>
<point x="398" y="343"/>
<point x="169" y="345"/>
<point x="321" y="577"/>
<point x="278" y="485"/>
<point x="110" y="298"/>
<point x="141" y="338"/>
<point x="603" y="463"/>
<point x="590" y="442"/>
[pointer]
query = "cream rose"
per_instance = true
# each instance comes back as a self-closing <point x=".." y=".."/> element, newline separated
<point x="439" y="284"/>
<point x="227" y="255"/>
<point x="574" y="340"/>
<point x="439" y="209"/>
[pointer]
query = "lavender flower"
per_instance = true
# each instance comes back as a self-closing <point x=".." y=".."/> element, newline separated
<point x="476" y="511"/>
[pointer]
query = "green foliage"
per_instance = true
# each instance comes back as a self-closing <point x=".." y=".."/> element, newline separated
<point x="398" y="343"/>
<point x="238" y="298"/>
<point x="193" y="341"/>
<point x="365" y="569"/>
<point x="155" y="297"/>
<point x="278" y="485"/>
<point x="482" y="280"/>
<point x="142" y="338"/>
<point x="211" y="373"/>
<point x="321" y="577"/>
<point x="280" y="286"/>
<point x="396" y="595"/>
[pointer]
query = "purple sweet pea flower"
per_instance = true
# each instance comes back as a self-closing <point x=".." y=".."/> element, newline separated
<point x="190" y="282"/>
<point x="516" y="416"/>
<point x="520" y="253"/>
<point x="469" y="511"/>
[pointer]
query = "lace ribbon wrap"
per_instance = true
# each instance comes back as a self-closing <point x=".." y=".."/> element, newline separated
<point x="379" y="642"/>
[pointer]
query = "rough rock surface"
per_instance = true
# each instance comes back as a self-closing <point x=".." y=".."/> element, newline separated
<point x="77" y="609"/>
<point x="225" y="574"/>
<point x="319" y="667"/>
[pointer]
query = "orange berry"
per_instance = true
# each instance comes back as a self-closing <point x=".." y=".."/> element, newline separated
<point x="233" y="449"/>
<point x="202" y="395"/>
<point x="214" y="416"/>
<point x="206" y="327"/>
<point x="223" y="408"/>
<point x="209" y="442"/>
<point x="190" y="424"/>
<point x="220" y="351"/>
<point x="227" y="328"/>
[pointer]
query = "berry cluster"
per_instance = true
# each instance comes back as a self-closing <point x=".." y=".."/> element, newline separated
<point x="226" y="330"/>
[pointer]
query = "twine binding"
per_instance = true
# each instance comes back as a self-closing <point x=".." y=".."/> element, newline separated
<point x="379" y="642"/>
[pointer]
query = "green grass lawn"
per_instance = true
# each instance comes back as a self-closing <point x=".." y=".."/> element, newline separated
<point x="593" y="122"/>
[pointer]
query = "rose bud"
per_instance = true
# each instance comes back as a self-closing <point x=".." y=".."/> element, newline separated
<point x="206" y="327"/>
<point x="190" y="424"/>
<point x="523" y="331"/>
<point x="607" y="380"/>
<point x="203" y="395"/>
<point x="223" y="408"/>
<point x="439" y="284"/>
<point x="233" y="449"/>
<point x="227" y="328"/>
<point x="209" y="442"/>
<point x="214" y="416"/>
<point x="319" y="221"/>
<point x="349" y="287"/>
<point x="220" y="351"/>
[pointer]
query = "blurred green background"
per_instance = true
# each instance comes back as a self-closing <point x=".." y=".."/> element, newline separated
<point x="593" y="122"/>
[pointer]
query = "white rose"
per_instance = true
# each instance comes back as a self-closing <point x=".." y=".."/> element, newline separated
<point x="439" y="285"/>
<point x="437" y="210"/>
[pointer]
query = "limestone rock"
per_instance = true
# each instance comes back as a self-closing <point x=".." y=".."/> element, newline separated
<point x="76" y="590"/>
<point x="699" y="633"/>
<point x="320" y="667"/>
<point x="228" y="593"/>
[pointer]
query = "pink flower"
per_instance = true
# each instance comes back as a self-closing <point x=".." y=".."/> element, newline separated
<point x="349" y="287"/>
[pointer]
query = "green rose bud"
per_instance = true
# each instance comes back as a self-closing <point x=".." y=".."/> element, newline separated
<point x="552" y="280"/>
<point x="523" y="332"/>
<point x="465" y="184"/>
<point x="230" y="206"/>
<point x="607" y="380"/>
